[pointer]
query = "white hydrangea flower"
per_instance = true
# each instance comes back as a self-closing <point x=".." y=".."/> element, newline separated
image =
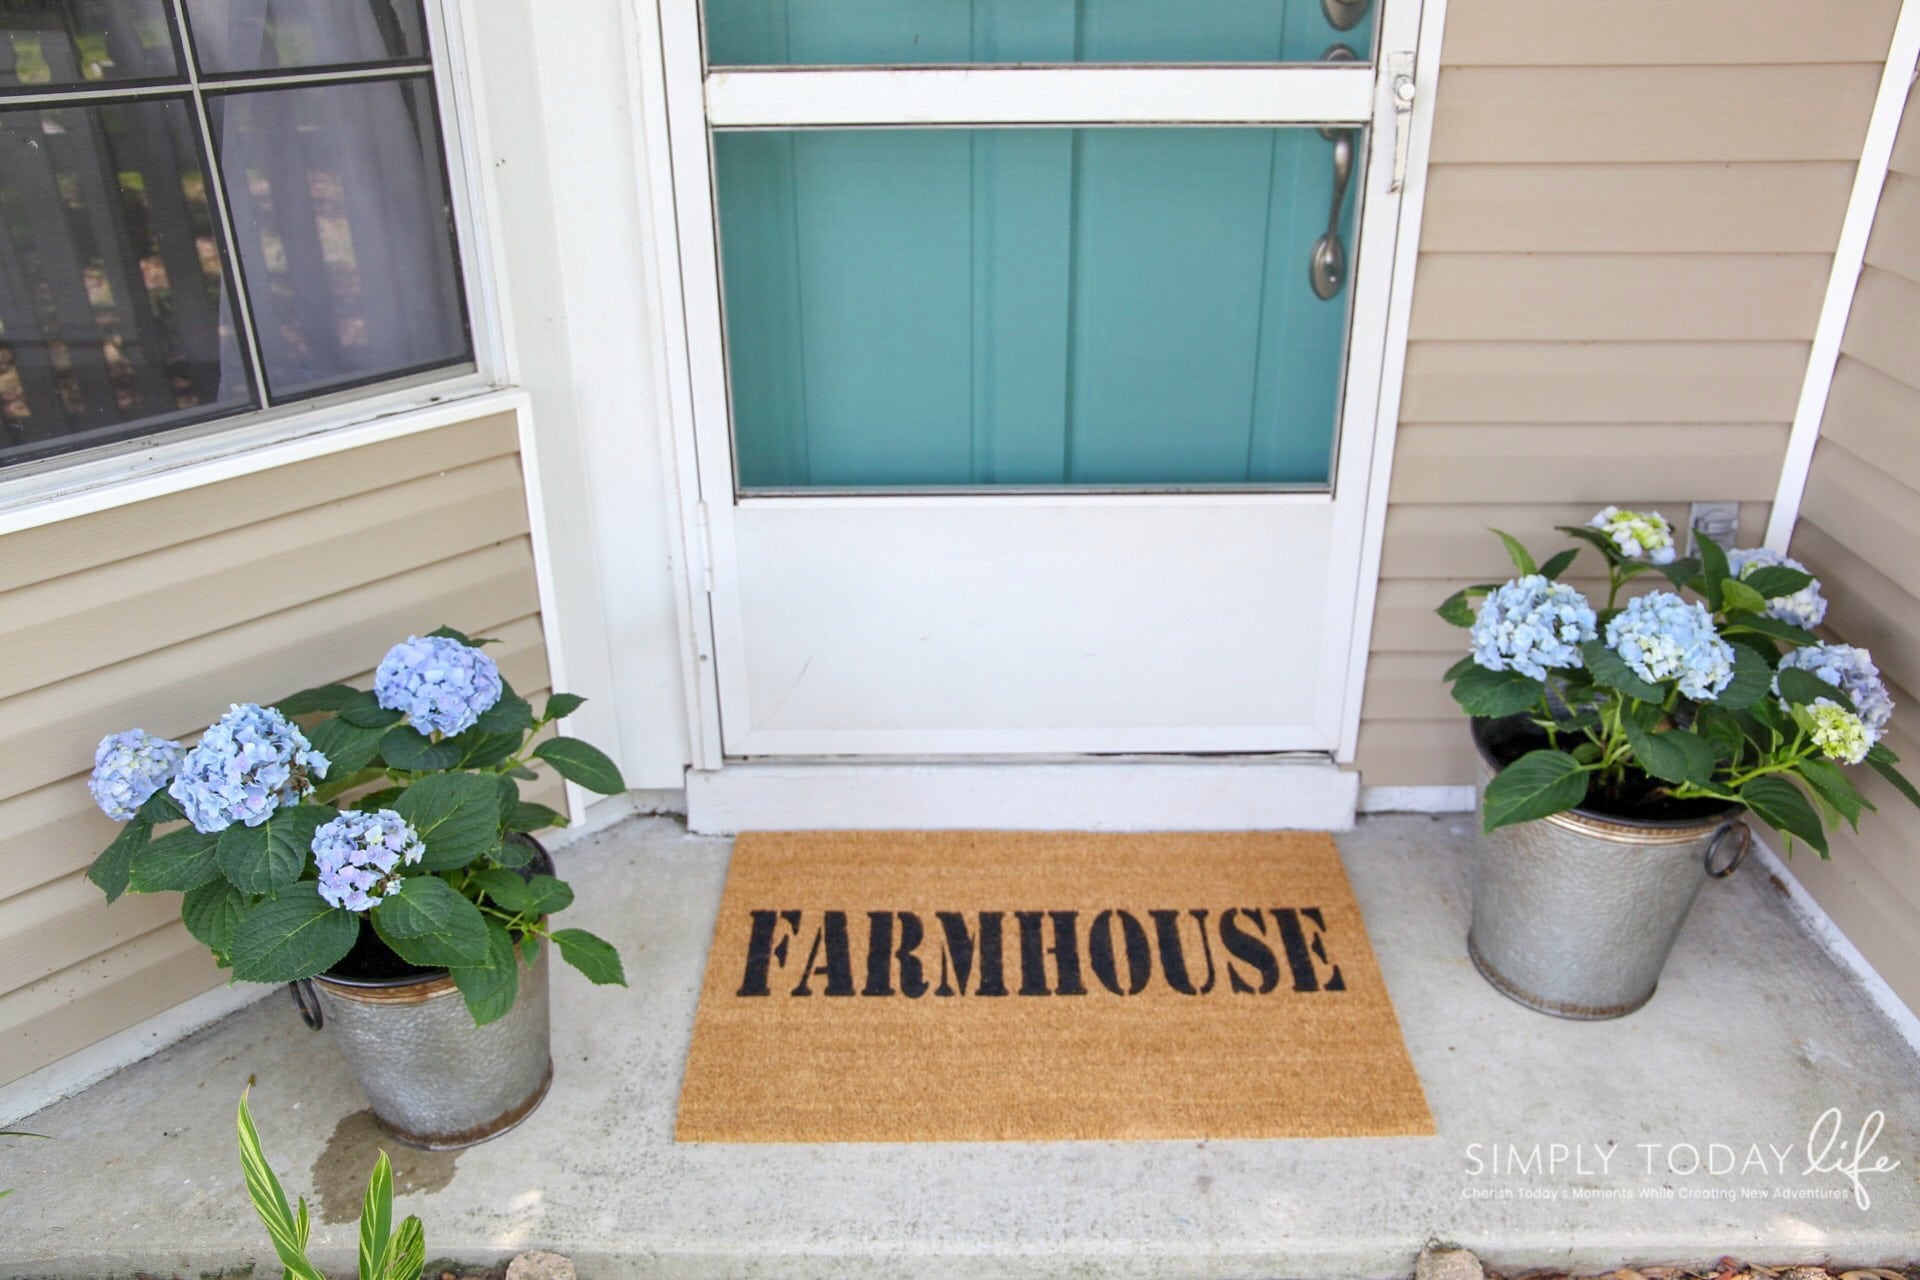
<point x="1637" y="535"/>
<point x="1841" y="735"/>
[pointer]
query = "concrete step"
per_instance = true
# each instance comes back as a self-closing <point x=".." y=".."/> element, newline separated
<point x="1754" y="1034"/>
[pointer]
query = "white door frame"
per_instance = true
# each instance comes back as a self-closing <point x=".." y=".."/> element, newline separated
<point x="677" y="98"/>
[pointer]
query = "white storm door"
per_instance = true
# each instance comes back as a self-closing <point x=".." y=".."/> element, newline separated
<point x="1035" y="349"/>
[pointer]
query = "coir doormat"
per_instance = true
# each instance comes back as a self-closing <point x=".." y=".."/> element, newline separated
<point x="1014" y="986"/>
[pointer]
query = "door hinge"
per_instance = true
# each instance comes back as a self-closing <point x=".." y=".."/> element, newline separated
<point x="706" y="550"/>
<point x="1400" y="85"/>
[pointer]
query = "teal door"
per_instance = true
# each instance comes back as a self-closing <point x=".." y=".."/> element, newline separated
<point x="1034" y="351"/>
<point x="1037" y="307"/>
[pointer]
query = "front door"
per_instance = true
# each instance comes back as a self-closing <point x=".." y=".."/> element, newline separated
<point x="1035" y="351"/>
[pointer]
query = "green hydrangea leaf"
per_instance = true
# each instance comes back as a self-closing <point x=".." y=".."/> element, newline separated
<point x="1752" y="680"/>
<point x="110" y="869"/>
<point x="211" y="913"/>
<point x="161" y="808"/>
<point x="432" y="928"/>
<point x="1771" y="581"/>
<point x="293" y="936"/>
<point x="1828" y="782"/>
<point x="527" y="816"/>
<point x="490" y="987"/>
<point x="1517" y="553"/>
<point x="478" y="749"/>
<point x="404" y="747"/>
<point x="1610" y="669"/>
<point x="1735" y="594"/>
<point x="457" y="816"/>
<point x="1559" y="564"/>
<point x="1802" y="688"/>
<point x="1537" y="784"/>
<point x="512" y="714"/>
<point x="576" y="761"/>
<point x="507" y="889"/>
<point x="1481" y="692"/>
<point x="1882" y="760"/>
<point x="1759" y="624"/>
<point x="271" y="856"/>
<point x="1714" y="573"/>
<point x="364" y="709"/>
<point x="1780" y="805"/>
<point x="593" y="956"/>
<point x="180" y="860"/>
<point x="561" y="704"/>
<point x="326" y="697"/>
<point x="349" y="748"/>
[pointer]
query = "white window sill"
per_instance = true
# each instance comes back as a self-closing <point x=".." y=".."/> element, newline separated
<point x="115" y="477"/>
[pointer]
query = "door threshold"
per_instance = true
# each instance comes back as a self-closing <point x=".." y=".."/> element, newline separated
<point x="1294" y="791"/>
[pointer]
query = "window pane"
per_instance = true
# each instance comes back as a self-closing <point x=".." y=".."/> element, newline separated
<point x="113" y="318"/>
<point x="345" y="234"/>
<point x="47" y="43"/>
<point x="263" y="35"/>
<point x="931" y="307"/>
<point x="908" y="32"/>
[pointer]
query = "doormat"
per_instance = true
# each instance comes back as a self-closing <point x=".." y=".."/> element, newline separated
<point x="1012" y="986"/>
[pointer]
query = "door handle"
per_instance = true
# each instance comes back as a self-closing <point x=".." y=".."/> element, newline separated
<point x="1345" y="15"/>
<point x="1327" y="265"/>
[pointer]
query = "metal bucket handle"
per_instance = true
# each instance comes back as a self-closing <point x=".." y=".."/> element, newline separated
<point x="307" y="1001"/>
<point x="1740" y="854"/>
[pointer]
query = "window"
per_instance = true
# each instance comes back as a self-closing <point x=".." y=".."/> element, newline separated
<point x="213" y="207"/>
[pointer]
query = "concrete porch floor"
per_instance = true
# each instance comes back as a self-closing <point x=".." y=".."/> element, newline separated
<point x="1755" y="1032"/>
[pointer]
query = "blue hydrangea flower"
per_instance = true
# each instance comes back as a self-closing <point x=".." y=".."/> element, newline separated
<point x="129" y="767"/>
<point x="1637" y="535"/>
<point x="359" y="856"/>
<point x="1804" y="608"/>
<point x="248" y="763"/>
<point x="1851" y="671"/>
<point x="441" y="684"/>
<point x="1662" y="637"/>
<point x="1530" y="625"/>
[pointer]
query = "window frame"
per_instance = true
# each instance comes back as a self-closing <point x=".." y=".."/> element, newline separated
<point x="132" y="462"/>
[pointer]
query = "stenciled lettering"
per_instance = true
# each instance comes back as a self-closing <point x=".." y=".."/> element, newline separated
<point x="1125" y="952"/>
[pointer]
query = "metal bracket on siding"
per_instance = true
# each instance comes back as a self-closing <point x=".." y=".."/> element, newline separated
<point x="706" y="550"/>
<point x="1400" y="85"/>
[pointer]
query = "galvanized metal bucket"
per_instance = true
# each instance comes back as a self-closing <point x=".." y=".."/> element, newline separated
<point x="1574" y="913"/>
<point x="435" y="1079"/>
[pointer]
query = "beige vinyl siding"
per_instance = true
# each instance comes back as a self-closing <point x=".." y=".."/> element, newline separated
<point x="161" y="613"/>
<point x="1631" y="213"/>
<point x="1859" y="531"/>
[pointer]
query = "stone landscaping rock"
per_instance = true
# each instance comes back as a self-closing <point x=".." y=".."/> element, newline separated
<point x="541" y="1266"/>
<point x="1445" y="1262"/>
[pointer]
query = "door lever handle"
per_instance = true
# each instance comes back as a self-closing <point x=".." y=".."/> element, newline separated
<point x="1344" y="15"/>
<point x="1327" y="265"/>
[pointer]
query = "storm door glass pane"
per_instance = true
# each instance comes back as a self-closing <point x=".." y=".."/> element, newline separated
<point x="232" y="36"/>
<point x="114" y="316"/>
<point x="58" y="43"/>
<point x="344" y="229"/>
<point x="1030" y="307"/>
<point x="932" y="32"/>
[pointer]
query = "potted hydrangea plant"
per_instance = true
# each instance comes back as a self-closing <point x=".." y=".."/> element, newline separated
<point x="1622" y="747"/>
<point x="372" y="848"/>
